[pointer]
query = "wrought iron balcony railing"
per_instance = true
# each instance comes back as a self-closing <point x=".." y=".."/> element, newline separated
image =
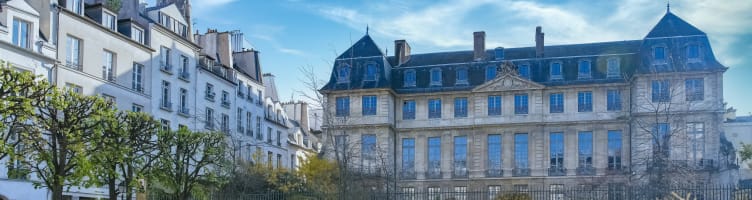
<point x="557" y="171"/>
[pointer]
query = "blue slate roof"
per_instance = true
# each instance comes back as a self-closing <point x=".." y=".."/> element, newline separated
<point x="365" y="47"/>
<point x="671" y="25"/>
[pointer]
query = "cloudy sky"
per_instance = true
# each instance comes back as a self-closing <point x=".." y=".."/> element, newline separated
<point x="296" y="33"/>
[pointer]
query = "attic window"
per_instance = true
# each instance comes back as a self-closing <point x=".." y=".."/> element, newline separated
<point x="370" y="72"/>
<point x="343" y="74"/>
<point x="659" y="53"/>
<point x="77" y="6"/>
<point x="461" y="76"/>
<point x="583" y="70"/>
<point x="613" y="69"/>
<point x="490" y="72"/>
<point x="108" y="21"/>
<point x="693" y="52"/>
<point x="435" y="77"/>
<point x="137" y="34"/>
<point x="524" y="71"/>
<point x="409" y="78"/>
<point x="556" y="71"/>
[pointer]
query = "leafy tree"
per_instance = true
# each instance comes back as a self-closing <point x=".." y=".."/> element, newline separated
<point x="189" y="163"/>
<point x="321" y="175"/>
<point x="20" y="92"/>
<point x="746" y="153"/>
<point x="58" y="147"/>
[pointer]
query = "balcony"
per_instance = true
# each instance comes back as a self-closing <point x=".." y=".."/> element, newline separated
<point x="185" y="76"/>
<point x="494" y="173"/>
<point x="209" y="125"/>
<point x="408" y="174"/>
<point x="518" y="172"/>
<point x="585" y="171"/>
<point x="460" y="169"/>
<point x="225" y="103"/>
<point x="165" y="67"/>
<point x="166" y="105"/>
<point x="433" y="174"/>
<point x="74" y="65"/>
<point x="557" y="171"/>
<point x="184" y="111"/>
<point x="210" y="96"/>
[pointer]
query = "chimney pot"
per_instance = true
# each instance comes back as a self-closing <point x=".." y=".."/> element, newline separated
<point x="479" y="45"/>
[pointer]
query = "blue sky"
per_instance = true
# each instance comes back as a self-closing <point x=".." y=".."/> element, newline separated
<point x="295" y="33"/>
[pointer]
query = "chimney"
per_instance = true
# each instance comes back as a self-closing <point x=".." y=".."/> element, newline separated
<point x="479" y="45"/>
<point x="539" y="42"/>
<point x="401" y="51"/>
<point x="304" y="116"/>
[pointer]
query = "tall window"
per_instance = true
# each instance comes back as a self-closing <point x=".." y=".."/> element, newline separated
<point x="661" y="132"/>
<point x="108" y="65"/>
<point x="660" y="91"/>
<point x="269" y="135"/>
<point x="408" y="155"/>
<point x="225" y="98"/>
<point x="494" y="105"/>
<point x="613" y="70"/>
<point x="524" y="70"/>
<point x="696" y="135"/>
<point x="225" y="123"/>
<point x="340" y="144"/>
<point x="434" y="156"/>
<point x="368" y="151"/>
<point x="585" y="149"/>
<point x="556" y="71"/>
<point x="108" y="21"/>
<point x="520" y="104"/>
<point x="21" y="33"/>
<point x="461" y="76"/>
<point x="460" y="156"/>
<point x="343" y="74"/>
<point x="583" y="69"/>
<point x="694" y="89"/>
<point x="409" y="78"/>
<point x="520" y="151"/>
<point x="73" y="54"/>
<point x="556" y="103"/>
<point x="166" y="95"/>
<point x="434" y="108"/>
<point x="370" y="72"/>
<point x="249" y="123"/>
<point x="76" y="6"/>
<point x="490" y="72"/>
<point x="343" y="106"/>
<point x="164" y="61"/>
<point x="614" y="149"/>
<point x="183" y="101"/>
<point x="460" y="107"/>
<point x="435" y="77"/>
<point x="369" y="105"/>
<point x="408" y="109"/>
<point x="210" y="92"/>
<point x="209" y="118"/>
<point x="613" y="100"/>
<point x="165" y="124"/>
<point x="184" y="66"/>
<point x="659" y="53"/>
<point x="138" y="70"/>
<point x="494" y="155"/>
<point x="259" y="135"/>
<point x="585" y="101"/>
<point x="693" y="51"/>
<point x="239" y="120"/>
<point x="557" y="150"/>
<point x="137" y="35"/>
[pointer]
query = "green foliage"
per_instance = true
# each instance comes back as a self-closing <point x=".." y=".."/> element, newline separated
<point x="321" y="175"/>
<point x="113" y="5"/>
<point x="19" y="93"/>
<point x="746" y="153"/>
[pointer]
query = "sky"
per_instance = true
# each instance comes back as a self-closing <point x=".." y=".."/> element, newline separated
<point x="303" y="33"/>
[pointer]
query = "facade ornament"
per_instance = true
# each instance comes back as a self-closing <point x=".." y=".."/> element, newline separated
<point x="507" y="67"/>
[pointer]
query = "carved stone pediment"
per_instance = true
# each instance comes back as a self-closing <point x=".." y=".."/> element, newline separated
<point x="508" y="82"/>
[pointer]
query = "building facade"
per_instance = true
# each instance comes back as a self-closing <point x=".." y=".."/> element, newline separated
<point x="548" y="115"/>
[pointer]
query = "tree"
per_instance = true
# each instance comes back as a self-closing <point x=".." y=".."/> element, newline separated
<point x="20" y="92"/>
<point x="746" y="153"/>
<point x="126" y="151"/>
<point x="58" y="148"/>
<point x="321" y="175"/>
<point x="188" y="162"/>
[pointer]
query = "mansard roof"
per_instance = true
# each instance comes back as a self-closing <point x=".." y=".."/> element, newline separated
<point x="671" y="25"/>
<point x="365" y="47"/>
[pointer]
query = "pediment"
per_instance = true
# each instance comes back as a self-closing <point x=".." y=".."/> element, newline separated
<point x="508" y="82"/>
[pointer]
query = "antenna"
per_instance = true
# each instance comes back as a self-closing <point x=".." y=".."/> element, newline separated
<point x="367" y="29"/>
<point x="668" y="6"/>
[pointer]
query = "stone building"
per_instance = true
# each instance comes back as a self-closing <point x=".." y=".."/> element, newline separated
<point x="547" y="115"/>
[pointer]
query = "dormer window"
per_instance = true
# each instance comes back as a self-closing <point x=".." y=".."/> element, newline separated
<point x="137" y="34"/>
<point x="108" y="21"/>
<point x="524" y="71"/>
<point x="75" y="6"/>
<point x="164" y="20"/>
<point x="370" y="72"/>
<point x="556" y="71"/>
<point x="343" y="74"/>
<point x="409" y="78"/>
<point x="693" y="52"/>
<point x="21" y="33"/>
<point x="435" y="77"/>
<point x="583" y="69"/>
<point x="461" y="76"/>
<point x="613" y="70"/>
<point x="659" y="53"/>
<point x="490" y="72"/>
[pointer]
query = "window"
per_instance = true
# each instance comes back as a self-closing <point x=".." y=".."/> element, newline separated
<point x="557" y="152"/>
<point x="369" y="105"/>
<point x="340" y="145"/>
<point x="524" y="70"/>
<point x="460" y="192"/>
<point x="164" y="20"/>
<point x="259" y="135"/>
<point x="435" y="77"/>
<point x="184" y="67"/>
<point x="73" y="54"/>
<point x="556" y="71"/>
<point x="660" y="91"/>
<point x="490" y="72"/>
<point x="249" y="123"/>
<point x="556" y="103"/>
<point x="164" y="59"/>
<point x="74" y="88"/>
<point x="22" y="33"/>
<point x="165" y="124"/>
<point x="461" y="76"/>
<point x="343" y="73"/>
<point x="166" y="95"/>
<point x="694" y="89"/>
<point x="434" y="108"/>
<point x="460" y="156"/>
<point x="368" y="151"/>
<point x="183" y="101"/>
<point x="585" y="149"/>
<point x="269" y="159"/>
<point x="696" y="135"/>
<point x="408" y="155"/>
<point x="209" y="118"/>
<point x="343" y="106"/>
<point x="583" y="70"/>
<point x="239" y="120"/>
<point x="494" y="105"/>
<point x="409" y="78"/>
<point x="659" y="53"/>
<point x="520" y="104"/>
<point x="693" y="51"/>
<point x="108" y="65"/>
<point x="614" y="150"/>
<point x="613" y="100"/>
<point x="225" y="123"/>
<point x="108" y="21"/>
<point x="137" y="108"/>
<point x="585" y="101"/>
<point x="434" y="157"/>
<point x="370" y="72"/>
<point x="137" y="34"/>
<point x="279" y="161"/>
<point x="249" y="88"/>
<point x="494" y="155"/>
<point x="138" y="71"/>
<point x="225" y="98"/>
<point x="408" y="110"/>
<point x="210" y="92"/>
<point x="613" y="70"/>
<point x="661" y="132"/>
<point x="494" y="190"/>
<point x="76" y="6"/>
<point x="109" y="99"/>
<point x="269" y="135"/>
<point x="460" y="107"/>
<point x="520" y="151"/>
<point x="279" y="138"/>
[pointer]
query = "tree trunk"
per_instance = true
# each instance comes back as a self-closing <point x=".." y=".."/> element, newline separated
<point x="57" y="191"/>
<point x="112" y="187"/>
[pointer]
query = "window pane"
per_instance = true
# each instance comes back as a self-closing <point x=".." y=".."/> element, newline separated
<point x="556" y="103"/>
<point x="524" y="71"/>
<point x="693" y="51"/>
<point x="694" y="89"/>
<point x="584" y="69"/>
<point x="408" y="155"/>
<point x="370" y="72"/>
<point x="494" y="154"/>
<point x="613" y="99"/>
<point x="613" y="70"/>
<point x="434" y="156"/>
<point x="557" y="150"/>
<point x="494" y="105"/>
<point x="368" y="151"/>
<point x="410" y="78"/>
<point x="520" y="104"/>
<point x="343" y="106"/>
<point x="369" y="105"/>
<point x="408" y="110"/>
<point x="434" y="108"/>
<point x="460" y="107"/>
<point x="460" y="156"/>
<point x="520" y="151"/>
<point x="490" y="72"/>
<point x="614" y="149"/>
<point x="659" y="53"/>
<point x="585" y="149"/>
<point x="585" y="101"/>
<point x="660" y="91"/>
